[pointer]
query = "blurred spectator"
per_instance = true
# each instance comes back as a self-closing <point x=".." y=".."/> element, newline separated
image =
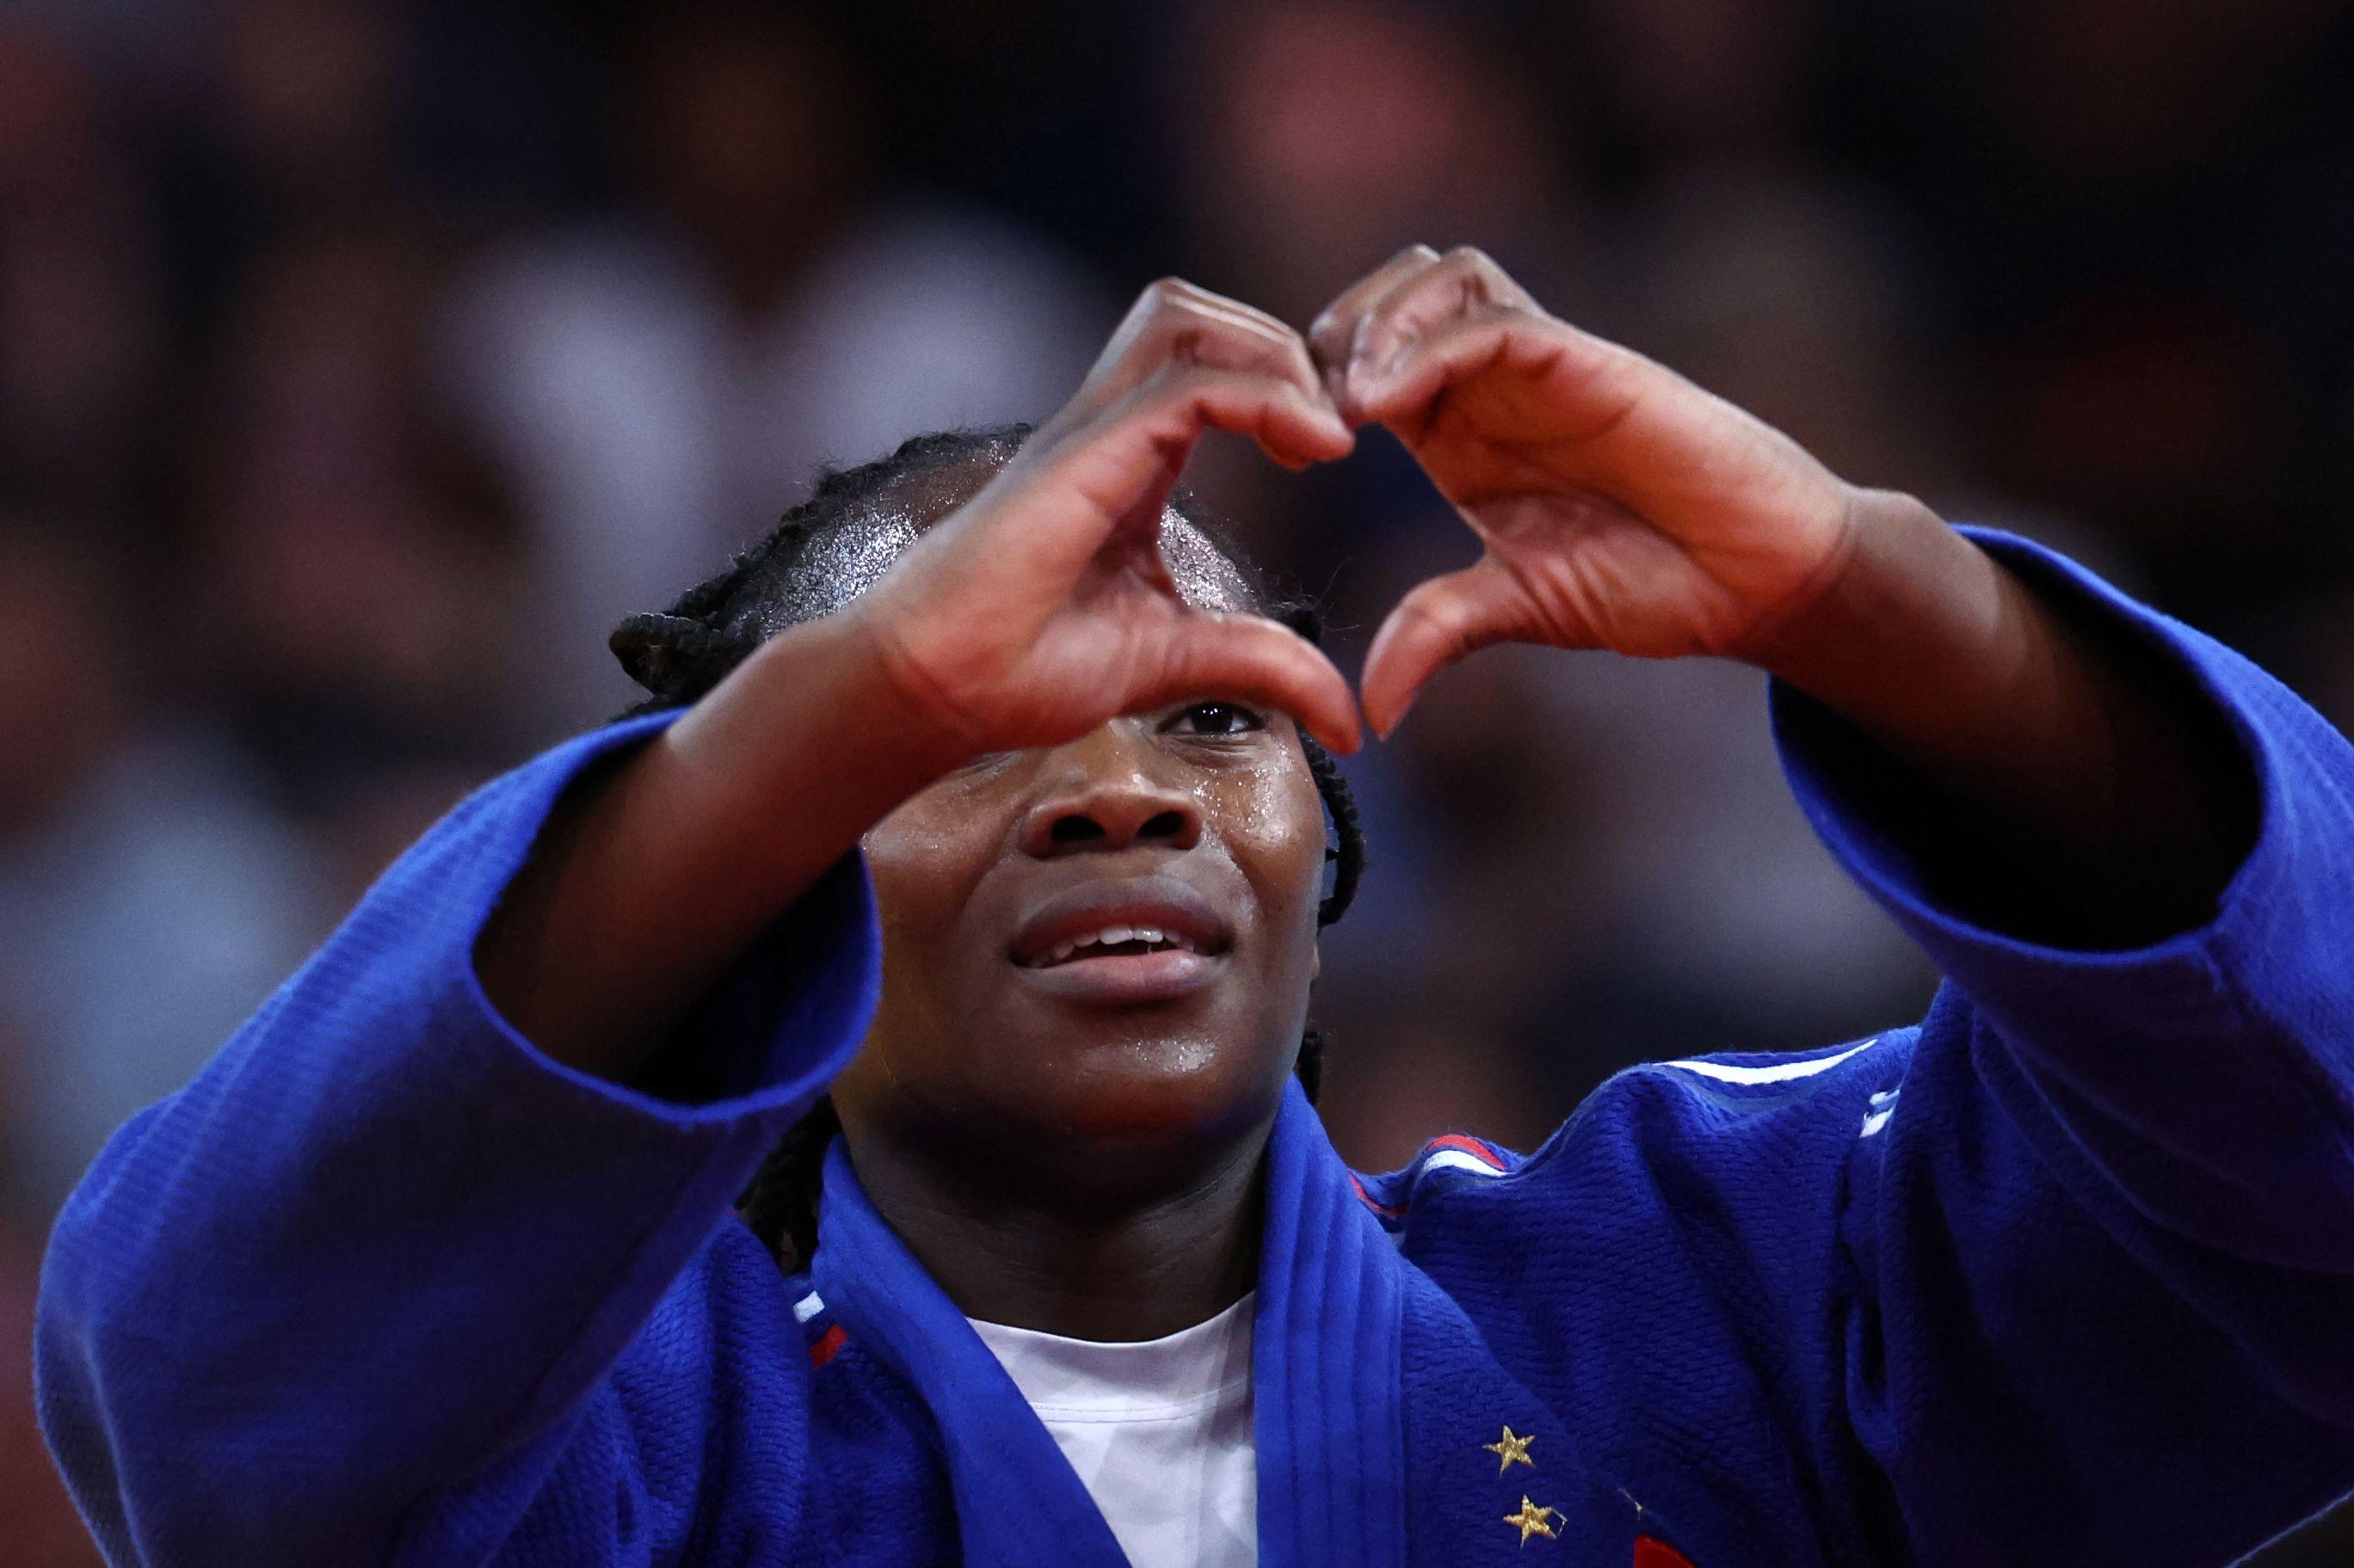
<point x="80" y="294"/>
<point x="147" y="901"/>
<point x="1308" y="141"/>
<point x="36" y="1517"/>
<point x="1688" y="81"/>
<point x="1803" y="299"/>
<point x="312" y="86"/>
<point x="1313" y="138"/>
<point x="662" y="380"/>
<point x="357" y="564"/>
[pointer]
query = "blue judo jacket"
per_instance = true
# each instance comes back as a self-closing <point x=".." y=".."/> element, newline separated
<point x="2064" y="1274"/>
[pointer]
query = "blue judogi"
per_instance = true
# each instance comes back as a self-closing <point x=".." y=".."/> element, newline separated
<point x="2065" y="1274"/>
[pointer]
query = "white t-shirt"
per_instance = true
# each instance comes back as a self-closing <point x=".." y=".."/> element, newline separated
<point x="1159" y="1431"/>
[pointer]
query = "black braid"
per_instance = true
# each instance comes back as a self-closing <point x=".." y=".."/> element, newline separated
<point x="780" y="1204"/>
<point x="1348" y="851"/>
<point x="1347" y="854"/>
<point x="680" y="653"/>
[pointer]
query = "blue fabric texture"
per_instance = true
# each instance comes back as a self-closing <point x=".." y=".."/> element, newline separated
<point x="2063" y="1272"/>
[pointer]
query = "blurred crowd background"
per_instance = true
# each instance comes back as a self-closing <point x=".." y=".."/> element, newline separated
<point x="361" y="364"/>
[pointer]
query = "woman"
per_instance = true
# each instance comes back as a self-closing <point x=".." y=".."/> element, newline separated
<point x="985" y="819"/>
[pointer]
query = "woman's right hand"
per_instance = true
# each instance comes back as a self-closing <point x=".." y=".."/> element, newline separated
<point x="1042" y="607"/>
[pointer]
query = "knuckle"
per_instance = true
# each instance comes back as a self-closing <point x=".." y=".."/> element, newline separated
<point x="1190" y="393"/>
<point x="1419" y="619"/>
<point x="1179" y="378"/>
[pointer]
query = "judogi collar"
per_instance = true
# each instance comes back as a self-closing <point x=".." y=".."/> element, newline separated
<point x="1369" y="1385"/>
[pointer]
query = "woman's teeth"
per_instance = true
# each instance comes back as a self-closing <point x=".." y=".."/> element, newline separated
<point x="1152" y="939"/>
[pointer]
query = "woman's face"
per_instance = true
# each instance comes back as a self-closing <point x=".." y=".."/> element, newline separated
<point x="1097" y="955"/>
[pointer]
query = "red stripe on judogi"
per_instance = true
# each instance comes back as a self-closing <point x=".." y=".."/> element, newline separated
<point x="1650" y="1551"/>
<point x="1470" y="1146"/>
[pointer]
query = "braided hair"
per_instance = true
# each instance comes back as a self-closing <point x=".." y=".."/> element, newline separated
<point x="680" y="653"/>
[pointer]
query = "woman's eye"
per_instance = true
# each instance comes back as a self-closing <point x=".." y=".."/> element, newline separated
<point x="1220" y="718"/>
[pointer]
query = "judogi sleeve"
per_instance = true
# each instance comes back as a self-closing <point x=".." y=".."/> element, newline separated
<point x="2097" y="1240"/>
<point x="381" y="1242"/>
<point x="2063" y="1275"/>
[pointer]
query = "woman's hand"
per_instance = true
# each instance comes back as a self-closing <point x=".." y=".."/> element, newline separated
<point x="1621" y="507"/>
<point x="1042" y="607"/>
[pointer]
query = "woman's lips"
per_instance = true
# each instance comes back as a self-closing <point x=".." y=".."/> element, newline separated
<point x="1159" y="910"/>
<point x="1111" y="978"/>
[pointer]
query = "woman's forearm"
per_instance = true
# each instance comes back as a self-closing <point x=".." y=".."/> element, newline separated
<point x="2094" y="757"/>
<point x="658" y="871"/>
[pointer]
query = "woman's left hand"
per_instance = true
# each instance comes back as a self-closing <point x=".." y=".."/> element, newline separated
<point x="1621" y="507"/>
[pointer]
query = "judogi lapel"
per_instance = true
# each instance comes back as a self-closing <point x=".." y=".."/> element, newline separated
<point x="1377" y="1407"/>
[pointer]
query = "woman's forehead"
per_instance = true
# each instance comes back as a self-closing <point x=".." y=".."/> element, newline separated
<point x="843" y="560"/>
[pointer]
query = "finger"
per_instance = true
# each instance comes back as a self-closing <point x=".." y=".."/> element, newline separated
<point x="1289" y="424"/>
<point x="1292" y="427"/>
<point x="1248" y="324"/>
<point x="1438" y="622"/>
<point x="1335" y="327"/>
<point x="1171" y="411"/>
<point x="1174" y="321"/>
<point x="1254" y="660"/>
<point x="1464" y="284"/>
<point x="1589" y="383"/>
<point x="1177" y="291"/>
<point x="1120" y="468"/>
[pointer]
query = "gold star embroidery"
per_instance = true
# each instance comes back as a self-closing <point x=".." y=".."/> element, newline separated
<point x="1533" y="1520"/>
<point x="1514" y="1449"/>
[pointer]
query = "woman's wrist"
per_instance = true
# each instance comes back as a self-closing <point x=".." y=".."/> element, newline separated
<point x="811" y="732"/>
<point x="704" y="837"/>
<point x="1930" y="647"/>
<point x="1917" y="635"/>
<point x="2094" y="758"/>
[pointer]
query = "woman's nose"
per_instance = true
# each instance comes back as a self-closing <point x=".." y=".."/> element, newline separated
<point x="1099" y="792"/>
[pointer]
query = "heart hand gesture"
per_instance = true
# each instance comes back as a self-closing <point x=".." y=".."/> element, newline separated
<point x="1621" y="507"/>
<point x="1042" y="607"/>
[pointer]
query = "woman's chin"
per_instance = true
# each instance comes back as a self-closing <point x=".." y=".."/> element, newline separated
<point x="1148" y="1099"/>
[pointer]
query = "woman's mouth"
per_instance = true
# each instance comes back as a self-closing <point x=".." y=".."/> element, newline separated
<point x="1125" y="972"/>
<point x="1119" y="941"/>
<point x="1116" y="941"/>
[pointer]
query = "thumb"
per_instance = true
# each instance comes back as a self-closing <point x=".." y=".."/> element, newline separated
<point x="1255" y="659"/>
<point x="1434" y="625"/>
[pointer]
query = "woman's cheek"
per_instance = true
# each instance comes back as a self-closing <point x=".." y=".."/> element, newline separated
<point x="1275" y="828"/>
<point x="919" y="879"/>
